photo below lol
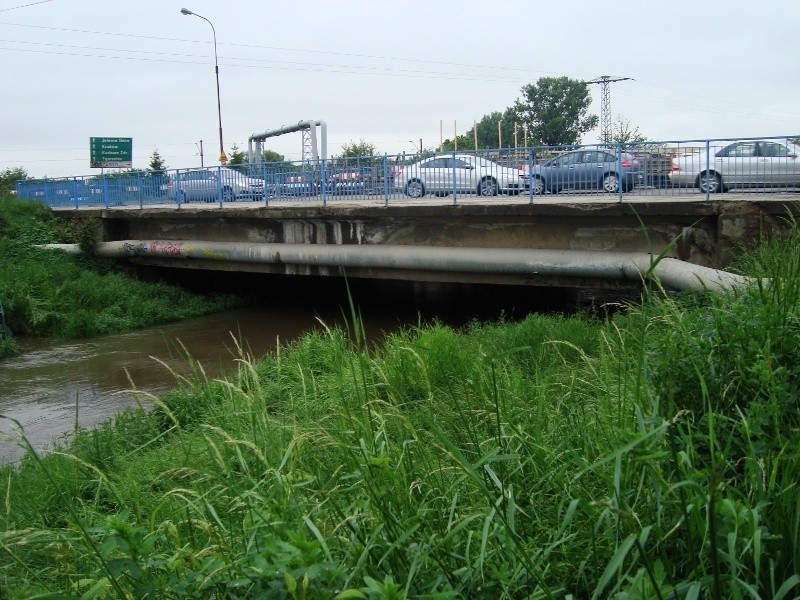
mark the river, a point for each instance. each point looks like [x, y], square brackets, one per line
[55, 386]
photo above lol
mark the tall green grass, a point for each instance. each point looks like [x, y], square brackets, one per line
[651, 455]
[48, 293]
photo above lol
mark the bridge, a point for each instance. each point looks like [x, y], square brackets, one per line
[574, 241]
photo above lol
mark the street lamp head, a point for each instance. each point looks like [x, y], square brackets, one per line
[186, 11]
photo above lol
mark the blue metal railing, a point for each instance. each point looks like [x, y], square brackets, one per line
[693, 168]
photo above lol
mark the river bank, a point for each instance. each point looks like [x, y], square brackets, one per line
[46, 293]
[652, 454]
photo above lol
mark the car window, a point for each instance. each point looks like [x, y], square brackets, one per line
[435, 163]
[199, 175]
[566, 159]
[738, 150]
[773, 149]
[462, 164]
[597, 156]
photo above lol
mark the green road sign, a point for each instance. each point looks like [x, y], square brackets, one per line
[110, 152]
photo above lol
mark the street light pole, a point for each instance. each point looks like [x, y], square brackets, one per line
[223, 158]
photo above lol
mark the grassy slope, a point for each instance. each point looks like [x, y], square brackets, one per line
[49, 293]
[655, 453]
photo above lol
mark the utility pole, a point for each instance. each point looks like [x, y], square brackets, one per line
[605, 104]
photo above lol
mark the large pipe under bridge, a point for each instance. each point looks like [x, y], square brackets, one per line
[626, 266]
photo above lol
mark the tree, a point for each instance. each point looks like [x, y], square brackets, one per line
[622, 132]
[10, 176]
[237, 158]
[488, 134]
[272, 156]
[555, 109]
[358, 149]
[157, 165]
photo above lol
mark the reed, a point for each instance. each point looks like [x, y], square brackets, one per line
[642, 456]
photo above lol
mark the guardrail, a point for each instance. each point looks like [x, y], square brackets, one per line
[684, 167]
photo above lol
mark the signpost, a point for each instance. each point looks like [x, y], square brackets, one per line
[110, 152]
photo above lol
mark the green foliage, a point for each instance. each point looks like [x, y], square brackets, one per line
[89, 236]
[555, 110]
[9, 177]
[559, 457]
[622, 132]
[272, 156]
[46, 292]
[8, 346]
[157, 165]
[357, 149]
[489, 134]
[237, 158]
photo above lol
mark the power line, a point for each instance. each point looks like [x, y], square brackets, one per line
[290, 66]
[392, 59]
[25, 5]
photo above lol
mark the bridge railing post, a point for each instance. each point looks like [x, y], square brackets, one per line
[708, 169]
[106, 192]
[385, 179]
[620, 173]
[531, 162]
[323, 182]
[454, 177]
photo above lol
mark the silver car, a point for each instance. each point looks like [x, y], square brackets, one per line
[748, 163]
[210, 185]
[463, 173]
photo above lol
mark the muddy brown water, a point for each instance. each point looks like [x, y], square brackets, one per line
[56, 386]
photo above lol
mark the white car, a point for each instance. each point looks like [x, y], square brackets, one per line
[463, 173]
[210, 185]
[748, 163]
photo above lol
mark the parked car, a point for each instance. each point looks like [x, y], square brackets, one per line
[463, 173]
[296, 184]
[586, 169]
[748, 163]
[210, 185]
[348, 181]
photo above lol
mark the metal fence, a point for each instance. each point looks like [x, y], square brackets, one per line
[533, 174]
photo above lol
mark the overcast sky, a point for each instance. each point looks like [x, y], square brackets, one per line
[387, 72]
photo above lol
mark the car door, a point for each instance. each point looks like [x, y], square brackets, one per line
[738, 163]
[777, 165]
[200, 185]
[434, 175]
[593, 164]
[463, 173]
[563, 171]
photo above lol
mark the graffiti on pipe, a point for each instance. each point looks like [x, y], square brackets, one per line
[155, 248]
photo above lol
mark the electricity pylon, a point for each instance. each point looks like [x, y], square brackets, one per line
[605, 104]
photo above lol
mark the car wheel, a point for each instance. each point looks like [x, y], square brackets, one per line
[488, 187]
[415, 189]
[611, 183]
[228, 195]
[538, 186]
[710, 183]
